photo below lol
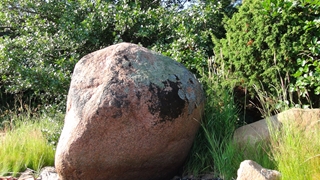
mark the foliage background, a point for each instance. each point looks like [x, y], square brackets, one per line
[269, 46]
[40, 41]
[273, 44]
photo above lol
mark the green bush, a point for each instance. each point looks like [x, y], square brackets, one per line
[191, 42]
[308, 74]
[264, 42]
[40, 42]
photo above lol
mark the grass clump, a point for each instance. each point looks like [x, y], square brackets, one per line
[216, 131]
[296, 151]
[214, 149]
[27, 143]
[292, 150]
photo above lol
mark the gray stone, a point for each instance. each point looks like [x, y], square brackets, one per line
[48, 173]
[307, 119]
[28, 174]
[250, 170]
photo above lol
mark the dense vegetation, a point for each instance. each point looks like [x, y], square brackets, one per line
[42, 40]
[262, 51]
[271, 40]
[257, 44]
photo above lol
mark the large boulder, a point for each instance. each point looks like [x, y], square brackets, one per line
[131, 114]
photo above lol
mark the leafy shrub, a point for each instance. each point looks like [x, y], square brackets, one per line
[41, 42]
[308, 74]
[192, 28]
[264, 42]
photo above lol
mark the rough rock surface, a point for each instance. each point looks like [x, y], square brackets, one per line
[48, 173]
[253, 133]
[258, 131]
[28, 174]
[8, 178]
[131, 114]
[250, 170]
[304, 118]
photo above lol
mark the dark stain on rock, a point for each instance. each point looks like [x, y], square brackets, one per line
[138, 94]
[78, 101]
[116, 103]
[118, 98]
[126, 58]
[166, 101]
[124, 63]
[117, 114]
[177, 78]
[191, 81]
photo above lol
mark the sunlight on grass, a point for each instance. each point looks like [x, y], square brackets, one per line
[210, 152]
[23, 147]
[292, 150]
[233, 155]
[297, 152]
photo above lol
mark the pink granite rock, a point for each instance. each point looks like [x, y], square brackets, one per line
[131, 114]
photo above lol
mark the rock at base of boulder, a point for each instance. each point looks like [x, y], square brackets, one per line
[28, 174]
[250, 170]
[48, 173]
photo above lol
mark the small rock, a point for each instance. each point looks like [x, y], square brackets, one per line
[48, 173]
[253, 133]
[250, 170]
[27, 175]
[207, 177]
[176, 178]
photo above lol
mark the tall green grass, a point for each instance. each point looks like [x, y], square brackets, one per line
[296, 151]
[218, 126]
[216, 130]
[27, 143]
[293, 151]
[213, 149]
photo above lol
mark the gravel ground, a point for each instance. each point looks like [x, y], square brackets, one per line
[199, 177]
[48, 173]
